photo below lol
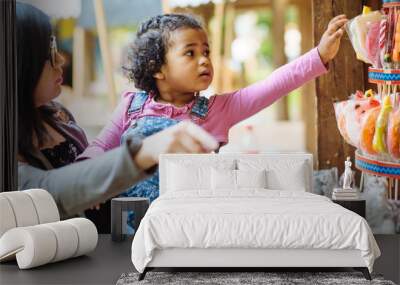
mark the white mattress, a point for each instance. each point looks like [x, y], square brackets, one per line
[252, 219]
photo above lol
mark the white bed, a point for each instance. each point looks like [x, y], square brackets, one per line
[240, 210]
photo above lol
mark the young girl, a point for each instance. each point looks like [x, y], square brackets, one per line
[170, 62]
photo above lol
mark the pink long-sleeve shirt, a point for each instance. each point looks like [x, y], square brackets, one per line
[224, 110]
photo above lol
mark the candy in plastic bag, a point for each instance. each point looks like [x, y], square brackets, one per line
[368, 131]
[350, 115]
[358, 29]
[393, 134]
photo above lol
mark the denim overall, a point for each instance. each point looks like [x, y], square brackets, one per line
[144, 127]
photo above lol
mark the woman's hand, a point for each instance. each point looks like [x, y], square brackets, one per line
[185, 137]
[330, 41]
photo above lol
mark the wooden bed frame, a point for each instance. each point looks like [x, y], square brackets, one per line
[246, 259]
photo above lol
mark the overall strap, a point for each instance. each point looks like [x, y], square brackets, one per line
[137, 102]
[200, 107]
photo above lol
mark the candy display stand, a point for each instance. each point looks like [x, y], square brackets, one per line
[376, 167]
[380, 47]
[384, 76]
[390, 3]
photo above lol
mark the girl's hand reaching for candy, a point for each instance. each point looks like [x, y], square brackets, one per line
[329, 44]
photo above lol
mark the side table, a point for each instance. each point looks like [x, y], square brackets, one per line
[357, 206]
[120, 208]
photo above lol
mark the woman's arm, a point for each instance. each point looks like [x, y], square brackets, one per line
[78, 186]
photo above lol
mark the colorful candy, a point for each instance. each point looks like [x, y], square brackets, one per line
[396, 48]
[372, 43]
[369, 93]
[368, 130]
[393, 136]
[390, 33]
[369, 121]
[382, 33]
[379, 140]
[351, 113]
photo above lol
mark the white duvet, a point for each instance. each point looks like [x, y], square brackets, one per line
[250, 219]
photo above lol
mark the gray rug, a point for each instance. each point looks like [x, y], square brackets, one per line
[243, 278]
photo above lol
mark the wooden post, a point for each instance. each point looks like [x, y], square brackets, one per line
[308, 98]
[82, 61]
[166, 7]
[217, 38]
[278, 30]
[206, 12]
[105, 50]
[227, 80]
[345, 76]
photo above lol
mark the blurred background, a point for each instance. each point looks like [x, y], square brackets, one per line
[249, 39]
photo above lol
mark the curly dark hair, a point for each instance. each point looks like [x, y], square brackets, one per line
[147, 53]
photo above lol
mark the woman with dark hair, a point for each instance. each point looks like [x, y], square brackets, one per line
[49, 140]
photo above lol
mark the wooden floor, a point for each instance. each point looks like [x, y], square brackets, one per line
[389, 262]
[106, 264]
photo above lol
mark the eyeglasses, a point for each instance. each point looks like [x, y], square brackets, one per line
[53, 51]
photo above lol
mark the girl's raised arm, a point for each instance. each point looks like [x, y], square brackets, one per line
[247, 101]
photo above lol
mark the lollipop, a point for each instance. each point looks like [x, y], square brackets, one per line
[382, 40]
[382, 33]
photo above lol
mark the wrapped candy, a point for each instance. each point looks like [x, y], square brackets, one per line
[379, 140]
[372, 44]
[368, 131]
[389, 42]
[396, 48]
[366, 123]
[341, 121]
[393, 135]
[363, 32]
[350, 115]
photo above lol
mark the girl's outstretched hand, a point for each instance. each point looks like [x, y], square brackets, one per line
[330, 41]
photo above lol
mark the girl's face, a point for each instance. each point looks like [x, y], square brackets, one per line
[188, 67]
[49, 84]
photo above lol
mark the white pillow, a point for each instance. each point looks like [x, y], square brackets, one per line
[295, 180]
[251, 178]
[193, 174]
[223, 179]
[282, 174]
[187, 177]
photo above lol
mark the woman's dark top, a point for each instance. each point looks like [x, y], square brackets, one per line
[78, 186]
[62, 154]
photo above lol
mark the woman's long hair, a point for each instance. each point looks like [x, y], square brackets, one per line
[33, 49]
